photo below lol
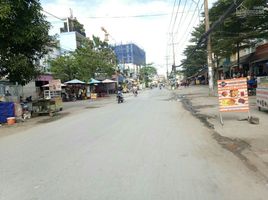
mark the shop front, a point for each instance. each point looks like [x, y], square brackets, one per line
[259, 62]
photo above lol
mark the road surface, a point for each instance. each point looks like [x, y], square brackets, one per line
[148, 148]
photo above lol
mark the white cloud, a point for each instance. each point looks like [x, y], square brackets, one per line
[150, 33]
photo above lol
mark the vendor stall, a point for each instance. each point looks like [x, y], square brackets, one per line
[52, 101]
[75, 90]
[262, 92]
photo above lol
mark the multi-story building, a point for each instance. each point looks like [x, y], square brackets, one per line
[68, 34]
[130, 58]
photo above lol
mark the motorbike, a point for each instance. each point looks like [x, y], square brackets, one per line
[120, 98]
[26, 113]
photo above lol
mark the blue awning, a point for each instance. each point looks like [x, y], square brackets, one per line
[94, 81]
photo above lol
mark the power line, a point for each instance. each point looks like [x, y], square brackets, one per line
[204, 37]
[62, 19]
[175, 17]
[129, 16]
[182, 15]
[187, 29]
[172, 14]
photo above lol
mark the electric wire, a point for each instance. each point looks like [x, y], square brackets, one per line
[183, 11]
[178, 7]
[204, 37]
[173, 8]
[128, 16]
[187, 29]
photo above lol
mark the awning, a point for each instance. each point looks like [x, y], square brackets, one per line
[246, 59]
[75, 81]
[260, 60]
[94, 81]
[108, 81]
[47, 85]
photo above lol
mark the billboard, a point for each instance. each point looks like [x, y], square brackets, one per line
[233, 95]
[55, 85]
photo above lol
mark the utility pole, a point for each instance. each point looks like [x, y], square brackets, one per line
[167, 65]
[173, 54]
[209, 52]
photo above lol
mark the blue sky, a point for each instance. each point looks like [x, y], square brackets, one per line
[150, 33]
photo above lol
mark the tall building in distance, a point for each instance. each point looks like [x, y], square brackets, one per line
[130, 58]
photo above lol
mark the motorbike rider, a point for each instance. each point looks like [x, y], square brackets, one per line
[120, 97]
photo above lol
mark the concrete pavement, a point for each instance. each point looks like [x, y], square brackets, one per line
[148, 148]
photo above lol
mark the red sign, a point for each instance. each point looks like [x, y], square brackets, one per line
[44, 78]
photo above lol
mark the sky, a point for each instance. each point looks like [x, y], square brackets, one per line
[147, 23]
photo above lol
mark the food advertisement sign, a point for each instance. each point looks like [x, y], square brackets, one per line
[55, 85]
[233, 95]
[262, 92]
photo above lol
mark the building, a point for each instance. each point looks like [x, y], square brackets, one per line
[68, 34]
[130, 58]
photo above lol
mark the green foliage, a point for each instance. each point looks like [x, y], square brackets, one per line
[93, 58]
[147, 73]
[65, 67]
[197, 60]
[234, 31]
[245, 31]
[23, 39]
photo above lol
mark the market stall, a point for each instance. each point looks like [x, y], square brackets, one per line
[75, 90]
[52, 101]
[109, 86]
[94, 88]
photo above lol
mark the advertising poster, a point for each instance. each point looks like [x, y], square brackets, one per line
[55, 85]
[233, 95]
[262, 92]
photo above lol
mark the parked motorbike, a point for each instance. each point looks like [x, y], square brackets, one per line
[26, 113]
[120, 98]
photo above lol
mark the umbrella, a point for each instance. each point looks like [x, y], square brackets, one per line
[94, 81]
[108, 81]
[75, 81]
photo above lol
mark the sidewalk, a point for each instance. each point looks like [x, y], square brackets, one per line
[247, 141]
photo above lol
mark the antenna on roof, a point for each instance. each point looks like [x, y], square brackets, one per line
[71, 14]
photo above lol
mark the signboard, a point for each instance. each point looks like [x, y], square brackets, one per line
[233, 95]
[93, 95]
[44, 78]
[262, 92]
[55, 85]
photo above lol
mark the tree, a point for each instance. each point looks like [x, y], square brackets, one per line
[233, 34]
[147, 73]
[24, 39]
[94, 57]
[238, 32]
[195, 59]
[65, 68]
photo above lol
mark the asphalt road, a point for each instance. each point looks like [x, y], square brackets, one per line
[148, 148]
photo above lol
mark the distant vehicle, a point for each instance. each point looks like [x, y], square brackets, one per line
[120, 97]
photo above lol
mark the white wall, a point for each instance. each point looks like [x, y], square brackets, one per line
[68, 41]
[30, 90]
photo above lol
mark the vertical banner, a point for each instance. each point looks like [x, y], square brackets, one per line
[262, 92]
[233, 95]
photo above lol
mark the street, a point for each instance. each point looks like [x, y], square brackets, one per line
[148, 148]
